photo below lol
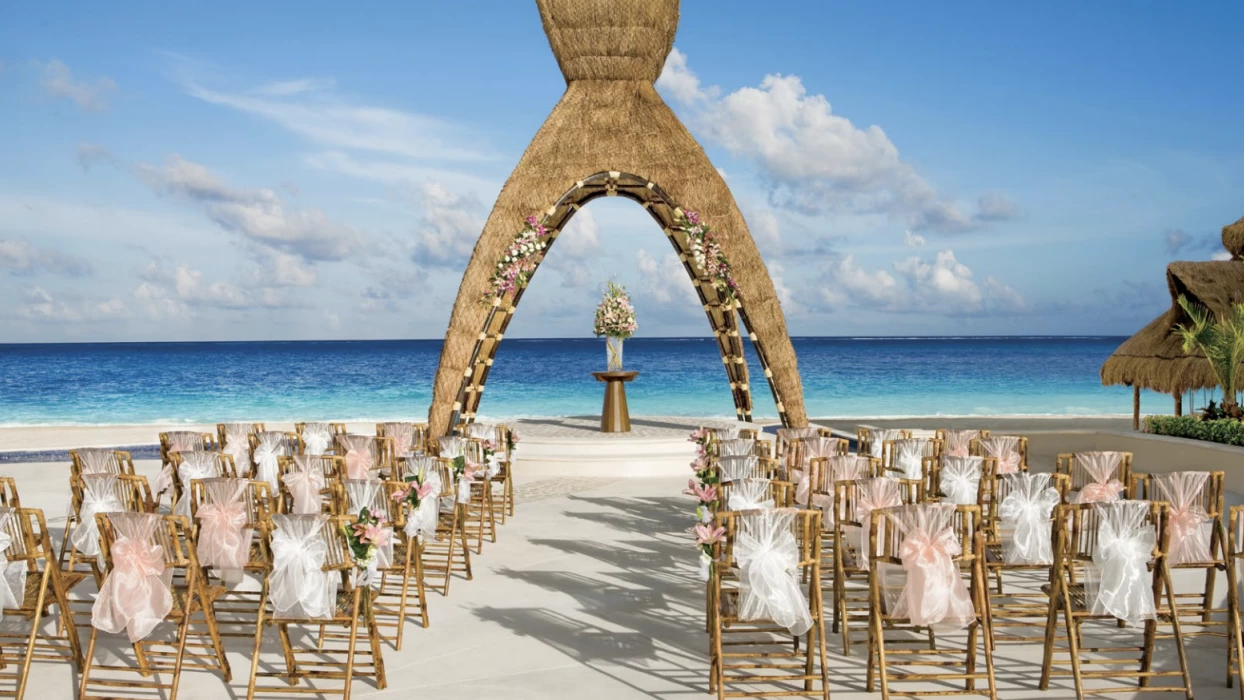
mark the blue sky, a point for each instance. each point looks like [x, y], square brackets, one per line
[291, 171]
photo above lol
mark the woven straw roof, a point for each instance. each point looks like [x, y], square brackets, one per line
[1233, 238]
[1154, 357]
[611, 119]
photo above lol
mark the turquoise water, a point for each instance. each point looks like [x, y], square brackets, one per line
[120, 383]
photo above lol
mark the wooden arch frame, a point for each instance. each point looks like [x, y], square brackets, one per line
[721, 312]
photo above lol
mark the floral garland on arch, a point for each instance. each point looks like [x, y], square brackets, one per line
[707, 253]
[703, 487]
[519, 261]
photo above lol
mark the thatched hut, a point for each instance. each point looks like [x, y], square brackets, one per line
[612, 135]
[1154, 358]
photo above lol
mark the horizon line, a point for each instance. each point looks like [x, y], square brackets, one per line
[574, 338]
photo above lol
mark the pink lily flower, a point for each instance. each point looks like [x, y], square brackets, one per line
[708, 534]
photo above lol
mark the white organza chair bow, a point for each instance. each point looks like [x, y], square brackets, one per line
[317, 437]
[1025, 525]
[12, 573]
[960, 479]
[101, 493]
[908, 457]
[269, 447]
[768, 558]
[305, 482]
[97, 460]
[224, 540]
[406, 436]
[813, 451]
[193, 465]
[750, 494]
[1118, 582]
[421, 523]
[785, 436]
[1098, 476]
[836, 468]
[236, 442]
[299, 585]
[878, 439]
[176, 441]
[743, 467]
[481, 431]
[736, 448]
[1006, 449]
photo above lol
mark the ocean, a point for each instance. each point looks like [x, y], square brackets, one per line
[138, 383]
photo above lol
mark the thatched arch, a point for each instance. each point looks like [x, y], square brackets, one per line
[611, 122]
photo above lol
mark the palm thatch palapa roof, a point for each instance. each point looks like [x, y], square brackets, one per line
[1154, 358]
[612, 135]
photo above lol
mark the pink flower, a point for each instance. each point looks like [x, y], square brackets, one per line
[702, 493]
[698, 465]
[423, 491]
[698, 434]
[707, 534]
[372, 533]
[532, 220]
[693, 217]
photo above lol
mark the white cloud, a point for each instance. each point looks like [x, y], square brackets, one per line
[913, 240]
[258, 214]
[939, 285]
[285, 270]
[1220, 256]
[815, 160]
[450, 225]
[580, 238]
[766, 230]
[20, 257]
[177, 291]
[58, 81]
[42, 307]
[310, 108]
[665, 281]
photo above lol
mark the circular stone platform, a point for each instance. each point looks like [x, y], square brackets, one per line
[574, 446]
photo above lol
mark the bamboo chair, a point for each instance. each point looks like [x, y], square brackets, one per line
[958, 443]
[401, 594]
[321, 469]
[780, 493]
[178, 441]
[998, 447]
[785, 436]
[96, 493]
[234, 440]
[904, 458]
[759, 651]
[1076, 542]
[8, 493]
[1235, 553]
[751, 467]
[33, 583]
[935, 467]
[166, 537]
[854, 501]
[188, 466]
[365, 456]
[1197, 610]
[237, 610]
[871, 441]
[345, 605]
[1017, 608]
[890, 529]
[407, 437]
[93, 460]
[826, 473]
[449, 553]
[481, 518]
[1074, 466]
[266, 450]
[319, 438]
[503, 480]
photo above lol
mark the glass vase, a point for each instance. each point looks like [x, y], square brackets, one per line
[613, 353]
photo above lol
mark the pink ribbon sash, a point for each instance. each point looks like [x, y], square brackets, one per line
[222, 542]
[1100, 492]
[359, 464]
[305, 488]
[935, 592]
[134, 597]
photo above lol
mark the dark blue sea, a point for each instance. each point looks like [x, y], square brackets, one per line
[123, 383]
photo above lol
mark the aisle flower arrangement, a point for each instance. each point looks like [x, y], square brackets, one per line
[703, 486]
[707, 253]
[519, 261]
[365, 536]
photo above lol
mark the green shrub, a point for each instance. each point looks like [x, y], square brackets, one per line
[1227, 431]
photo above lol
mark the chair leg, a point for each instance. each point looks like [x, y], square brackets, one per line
[419, 584]
[1179, 637]
[259, 623]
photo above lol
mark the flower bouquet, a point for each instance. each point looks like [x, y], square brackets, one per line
[615, 320]
[707, 535]
[366, 537]
[421, 494]
[512, 439]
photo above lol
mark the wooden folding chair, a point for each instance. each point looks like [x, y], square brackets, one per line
[1001, 448]
[958, 443]
[750, 650]
[894, 619]
[1078, 536]
[854, 501]
[267, 448]
[1194, 500]
[935, 467]
[401, 594]
[904, 458]
[324, 469]
[32, 583]
[481, 518]
[785, 438]
[8, 493]
[178, 441]
[98, 493]
[318, 596]
[449, 553]
[236, 609]
[1026, 605]
[197, 464]
[503, 481]
[365, 456]
[1078, 467]
[234, 440]
[167, 538]
[870, 441]
[407, 437]
[93, 460]
[1235, 554]
[319, 438]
